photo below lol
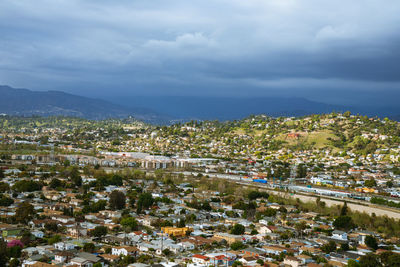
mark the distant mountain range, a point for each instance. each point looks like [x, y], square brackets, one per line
[167, 109]
[228, 108]
[231, 108]
[24, 102]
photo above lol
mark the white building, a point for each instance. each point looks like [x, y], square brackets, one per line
[339, 235]
[64, 246]
[124, 250]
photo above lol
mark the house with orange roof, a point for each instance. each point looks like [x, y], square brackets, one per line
[201, 259]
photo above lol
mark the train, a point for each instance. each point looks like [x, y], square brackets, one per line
[262, 181]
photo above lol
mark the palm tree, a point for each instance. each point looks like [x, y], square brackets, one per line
[300, 227]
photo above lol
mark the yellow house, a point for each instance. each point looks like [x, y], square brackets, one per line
[229, 238]
[174, 231]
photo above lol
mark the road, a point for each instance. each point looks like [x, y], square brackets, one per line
[356, 205]
[364, 207]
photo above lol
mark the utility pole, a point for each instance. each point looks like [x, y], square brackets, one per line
[162, 241]
[77, 230]
[52, 158]
[293, 173]
[125, 235]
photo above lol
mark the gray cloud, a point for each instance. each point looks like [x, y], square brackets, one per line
[223, 47]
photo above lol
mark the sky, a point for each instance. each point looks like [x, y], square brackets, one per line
[333, 51]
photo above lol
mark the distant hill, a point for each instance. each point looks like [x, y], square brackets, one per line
[24, 102]
[234, 108]
[167, 109]
[229, 108]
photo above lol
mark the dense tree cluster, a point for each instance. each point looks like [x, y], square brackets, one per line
[144, 202]
[238, 229]
[253, 195]
[117, 200]
[27, 186]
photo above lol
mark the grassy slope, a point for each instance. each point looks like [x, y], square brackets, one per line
[319, 139]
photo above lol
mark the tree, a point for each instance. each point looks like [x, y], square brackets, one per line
[51, 226]
[116, 180]
[352, 263]
[394, 260]
[129, 222]
[270, 212]
[14, 251]
[45, 259]
[318, 201]
[117, 200]
[14, 243]
[26, 238]
[237, 245]
[145, 201]
[126, 260]
[301, 171]
[389, 258]
[95, 207]
[24, 213]
[238, 229]
[54, 239]
[329, 247]
[344, 246]
[3, 252]
[300, 227]
[27, 186]
[370, 183]
[206, 206]
[89, 247]
[167, 252]
[237, 263]
[343, 210]
[14, 263]
[347, 114]
[254, 232]
[371, 242]
[4, 187]
[55, 183]
[6, 201]
[344, 223]
[260, 262]
[132, 201]
[181, 223]
[99, 231]
[253, 195]
[370, 260]
[2, 174]
[75, 177]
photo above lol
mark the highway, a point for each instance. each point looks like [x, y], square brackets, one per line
[353, 204]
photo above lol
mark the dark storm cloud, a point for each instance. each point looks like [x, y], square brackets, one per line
[197, 47]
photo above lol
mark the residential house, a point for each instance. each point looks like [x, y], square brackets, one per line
[84, 259]
[63, 257]
[276, 250]
[125, 250]
[201, 259]
[64, 246]
[229, 238]
[252, 252]
[305, 259]
[37, 234]
[36, 264]
[339, 235]
[77, 232]
[292, 261]
[174, 231]
[186, 245]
